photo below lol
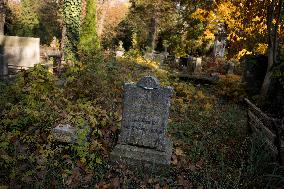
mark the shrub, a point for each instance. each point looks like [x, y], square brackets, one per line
[230, 87]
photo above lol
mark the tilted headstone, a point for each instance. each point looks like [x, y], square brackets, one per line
[69, 134]
[145, 117]
[64, 133]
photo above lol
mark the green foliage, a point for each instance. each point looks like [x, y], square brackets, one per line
[30, 107]
[230, 87]
[30, 96]
[219, 152]
[25, 21]
[132, 53]
[89, 43]
[211, 146]
[37, 18]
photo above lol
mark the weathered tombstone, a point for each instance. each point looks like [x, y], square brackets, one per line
[231, 67]
[145, 116]
[170, 60]
[18, 52]
[120, 51]
[64, 133]
[197, 66]
[67, 133]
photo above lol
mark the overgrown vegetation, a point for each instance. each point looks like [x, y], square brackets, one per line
[212, 147]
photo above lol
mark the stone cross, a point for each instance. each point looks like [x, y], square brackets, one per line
[144, 122]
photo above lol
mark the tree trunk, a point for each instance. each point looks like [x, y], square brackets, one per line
[153, 33]
[2, 17]
[63, 38]
[101, 18]
[274, 12]
[2, 23]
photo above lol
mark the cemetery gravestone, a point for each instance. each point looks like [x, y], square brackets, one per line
[120, 51]
[67, 133]
[64, 133]
[18, 52]
[144, 122]
[231, 68]
[197, 65]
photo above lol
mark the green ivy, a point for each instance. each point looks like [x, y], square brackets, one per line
[72, 17]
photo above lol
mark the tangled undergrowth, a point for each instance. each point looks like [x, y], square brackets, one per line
[212, 147]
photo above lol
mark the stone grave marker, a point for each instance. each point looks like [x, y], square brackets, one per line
[197, 65]
[144, 122]
[120, 51]
[231, 68]
[64, 133]
[18, 52]
[67, 133]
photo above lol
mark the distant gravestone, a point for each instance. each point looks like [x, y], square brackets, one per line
[120, 51]
[197, 65]
[231, 67]
[67, 133]
[144, 122]
[18, 52]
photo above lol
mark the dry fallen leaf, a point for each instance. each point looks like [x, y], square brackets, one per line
[179, 152]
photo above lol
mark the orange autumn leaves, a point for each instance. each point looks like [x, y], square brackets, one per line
[246, 25]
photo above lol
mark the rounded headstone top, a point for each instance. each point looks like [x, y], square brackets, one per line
[149, 82]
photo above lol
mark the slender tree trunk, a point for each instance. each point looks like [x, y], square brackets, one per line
[63, 39]
[2, 17]
[100, 27]
[2, 23]
[83, 9]
[274, 12]
[153, 33]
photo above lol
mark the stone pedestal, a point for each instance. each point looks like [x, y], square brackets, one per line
[133, 154]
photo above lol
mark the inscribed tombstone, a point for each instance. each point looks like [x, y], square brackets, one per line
[144, 122]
